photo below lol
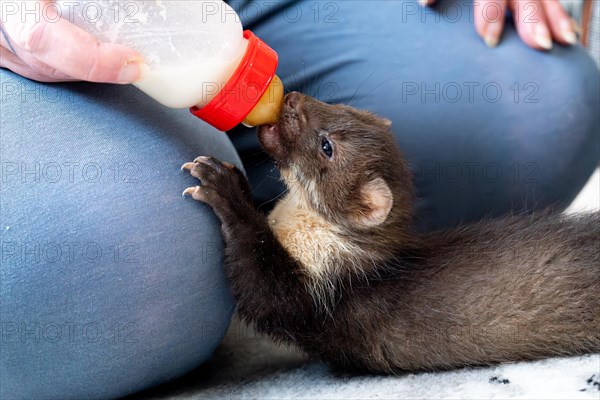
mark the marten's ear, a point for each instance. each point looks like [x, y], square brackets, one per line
[376, 201]
[386, 122]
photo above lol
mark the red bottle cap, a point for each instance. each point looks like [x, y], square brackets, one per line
[244, 89]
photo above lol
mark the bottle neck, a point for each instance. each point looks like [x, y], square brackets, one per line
[244, 90]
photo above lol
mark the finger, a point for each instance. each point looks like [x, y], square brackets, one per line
[4, 41]
[425, 3]
[28, 65]
[531, 24]
[63, 46]
[489, 20]
[15, 64]
[559, 22]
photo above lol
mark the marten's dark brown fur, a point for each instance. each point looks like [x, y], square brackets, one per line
[336, 270]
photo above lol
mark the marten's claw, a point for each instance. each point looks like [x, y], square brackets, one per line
[189, 191]
[187, 166]
[213, 162]
[200, 193]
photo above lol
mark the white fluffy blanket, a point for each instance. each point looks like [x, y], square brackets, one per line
[249, 367]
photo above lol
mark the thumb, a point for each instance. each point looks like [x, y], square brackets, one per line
[70, 50]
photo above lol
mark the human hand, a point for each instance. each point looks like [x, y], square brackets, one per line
[44, 47]
[538, 22]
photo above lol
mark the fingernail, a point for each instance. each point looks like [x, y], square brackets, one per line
[567, 32]
[490, 40]
[131, 72]
[570, 37]
[575, 27]
[542, 37]
[424, 2]
[492, 34]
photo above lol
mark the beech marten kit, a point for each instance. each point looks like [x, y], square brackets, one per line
[337, 271]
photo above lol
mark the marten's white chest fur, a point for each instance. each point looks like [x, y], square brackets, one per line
[310, 239]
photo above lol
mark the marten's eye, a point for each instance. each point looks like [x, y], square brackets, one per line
[326, 147]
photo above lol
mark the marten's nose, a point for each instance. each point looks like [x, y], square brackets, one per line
[292, 100]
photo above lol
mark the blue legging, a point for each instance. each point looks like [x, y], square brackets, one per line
[110, 282]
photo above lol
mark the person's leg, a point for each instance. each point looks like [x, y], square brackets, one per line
[110, 281]
[487, 131]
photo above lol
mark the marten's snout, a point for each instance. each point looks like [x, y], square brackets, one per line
[292, 118]
[278, 139]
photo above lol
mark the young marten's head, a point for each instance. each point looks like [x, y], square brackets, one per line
[343, 163]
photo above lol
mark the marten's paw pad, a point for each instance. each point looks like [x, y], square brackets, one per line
[219, 180]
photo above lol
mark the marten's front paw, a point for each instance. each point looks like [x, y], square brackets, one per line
[223, 186]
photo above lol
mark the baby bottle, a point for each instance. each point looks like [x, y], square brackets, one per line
[197, 53]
